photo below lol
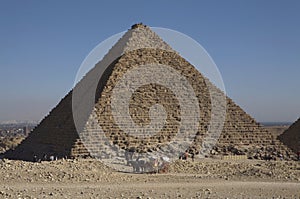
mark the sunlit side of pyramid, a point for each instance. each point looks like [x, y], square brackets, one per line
[57, 135]
[291, 137]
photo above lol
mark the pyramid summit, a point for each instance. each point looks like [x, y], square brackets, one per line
[138, 25]
[83, 123]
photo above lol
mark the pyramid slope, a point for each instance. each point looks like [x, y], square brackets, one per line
[291, 137]
[240, 129]
[57, 135]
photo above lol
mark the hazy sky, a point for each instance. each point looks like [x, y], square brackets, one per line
[255, 44]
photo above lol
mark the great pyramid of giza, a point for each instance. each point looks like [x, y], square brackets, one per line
[291, 136]
[62, 133]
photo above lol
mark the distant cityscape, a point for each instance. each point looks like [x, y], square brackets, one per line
[15, 128]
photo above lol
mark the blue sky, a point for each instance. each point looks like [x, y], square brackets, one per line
[255, 44]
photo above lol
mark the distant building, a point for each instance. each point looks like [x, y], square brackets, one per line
[26, 130]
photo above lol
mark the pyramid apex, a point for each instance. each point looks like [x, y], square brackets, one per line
[138, 25]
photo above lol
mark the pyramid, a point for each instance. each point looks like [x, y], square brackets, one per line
[291, 136]
[64, 133]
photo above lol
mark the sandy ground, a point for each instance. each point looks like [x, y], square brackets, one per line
[160, 188]
[185, 179]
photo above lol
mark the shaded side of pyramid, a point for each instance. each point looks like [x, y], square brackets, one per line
[291, 137]
[57, 135]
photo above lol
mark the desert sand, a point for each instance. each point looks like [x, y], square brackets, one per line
[204, 178]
